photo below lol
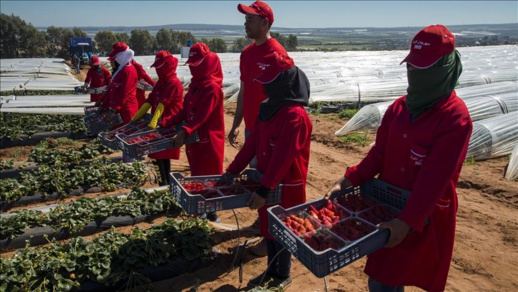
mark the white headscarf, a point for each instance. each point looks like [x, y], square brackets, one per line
[123, 58]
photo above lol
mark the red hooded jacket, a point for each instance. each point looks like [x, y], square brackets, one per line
[121, 93]
[168, 91]
[203, 111]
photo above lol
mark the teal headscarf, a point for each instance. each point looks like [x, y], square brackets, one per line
[427, 86]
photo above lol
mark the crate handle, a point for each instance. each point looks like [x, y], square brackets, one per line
[394, 190]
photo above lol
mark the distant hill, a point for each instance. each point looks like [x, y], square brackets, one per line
[215, 30]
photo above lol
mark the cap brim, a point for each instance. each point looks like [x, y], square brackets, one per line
[156, 65]
[246, 9]
[420, 61]
[97, 63]
[195, 63]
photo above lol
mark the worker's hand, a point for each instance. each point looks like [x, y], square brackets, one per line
[178, 139]
[226, 179]
[255, 201]
[232, 137]
[339, 185]
[110, 114]
[398, 231]
[85, 89]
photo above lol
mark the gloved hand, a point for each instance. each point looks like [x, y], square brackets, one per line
[226, 179]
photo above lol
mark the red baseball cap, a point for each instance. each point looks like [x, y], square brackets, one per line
[257, 8]
[272, 66]
[429, 45]
[95, 61]
[160, 58]
[117, 48]
[197, 53]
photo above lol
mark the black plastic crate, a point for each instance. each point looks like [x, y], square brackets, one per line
[97, 90]
[322, 263]
[91, 110]
[135, 146]
[144, 86]
[195, 203]
[95, 123]
[109, 139]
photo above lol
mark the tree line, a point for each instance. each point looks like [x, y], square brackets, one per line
[20, 39]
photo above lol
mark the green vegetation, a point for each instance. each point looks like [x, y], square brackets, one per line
[347, 114]
[74, 217]
[357, 138]
[13, 125]
[110, 259]
[469, 161]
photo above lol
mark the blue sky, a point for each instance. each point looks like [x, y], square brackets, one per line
[292, 14]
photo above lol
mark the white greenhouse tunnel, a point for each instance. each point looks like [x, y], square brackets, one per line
[493, 137]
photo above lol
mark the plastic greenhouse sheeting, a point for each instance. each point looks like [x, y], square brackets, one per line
[483, 101]
[367, 75]
[512, 168]
[493, 137]
[46, 110]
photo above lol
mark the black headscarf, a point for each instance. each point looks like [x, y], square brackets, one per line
[290, 87]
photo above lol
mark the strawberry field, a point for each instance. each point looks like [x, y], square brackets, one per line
[74, 217]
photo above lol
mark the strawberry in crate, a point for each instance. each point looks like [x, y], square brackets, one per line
[352, 229]
[378, 214]
[300, 225]
[150, 136]
[355, 203]
[322, 240]
[329, 214]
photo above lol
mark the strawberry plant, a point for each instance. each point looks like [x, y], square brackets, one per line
[111, 259]
[75, 216]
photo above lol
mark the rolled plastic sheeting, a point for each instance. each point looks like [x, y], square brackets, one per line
[511, 172]
[46, 110]
[55, 103]
[493, 137]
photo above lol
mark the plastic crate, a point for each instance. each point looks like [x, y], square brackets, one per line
[322, 263]
[109, 139]
[134, 146]
[195, 203]
[97, 90]
[144, 86]
[91, 110]
[95, 124]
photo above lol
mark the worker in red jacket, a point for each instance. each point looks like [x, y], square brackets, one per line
[203, 111]
[121, 95]
[143, 77]
[281, 142]
[97, 77]
[165, 101]
[420, 146]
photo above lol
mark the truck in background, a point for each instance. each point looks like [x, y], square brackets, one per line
[82, 47]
